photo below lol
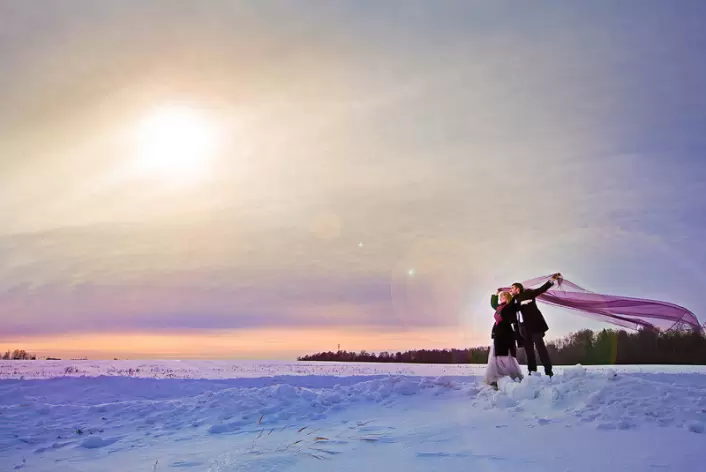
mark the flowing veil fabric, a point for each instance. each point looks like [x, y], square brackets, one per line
[632, 313]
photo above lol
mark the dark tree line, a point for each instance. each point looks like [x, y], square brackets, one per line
[584, 347]
[19, 355]
[424, 356]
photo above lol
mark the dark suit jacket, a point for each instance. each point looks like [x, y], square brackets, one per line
[532, 319]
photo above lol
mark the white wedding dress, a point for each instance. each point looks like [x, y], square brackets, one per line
[501, 366]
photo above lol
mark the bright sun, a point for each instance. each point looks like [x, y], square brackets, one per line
[175, 142]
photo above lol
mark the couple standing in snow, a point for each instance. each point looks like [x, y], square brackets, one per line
[510, 331]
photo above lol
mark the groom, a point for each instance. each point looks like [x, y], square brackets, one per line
[532, 323]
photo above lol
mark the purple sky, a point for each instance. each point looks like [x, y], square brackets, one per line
[387, 164]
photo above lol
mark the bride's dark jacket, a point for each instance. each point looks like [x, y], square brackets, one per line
[506, 332]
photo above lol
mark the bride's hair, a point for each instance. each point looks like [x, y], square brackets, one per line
[505, 297]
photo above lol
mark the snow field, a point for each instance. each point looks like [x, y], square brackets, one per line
[219, 416]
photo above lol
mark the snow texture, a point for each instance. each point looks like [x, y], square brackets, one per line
[218, 416]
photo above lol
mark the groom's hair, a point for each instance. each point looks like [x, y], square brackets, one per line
[519, 286]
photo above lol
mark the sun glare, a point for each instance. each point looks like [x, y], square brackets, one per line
[176, 142]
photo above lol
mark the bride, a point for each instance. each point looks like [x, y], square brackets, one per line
[502, 358]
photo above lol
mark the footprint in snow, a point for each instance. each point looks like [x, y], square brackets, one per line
[370, 429]
[185, 464]
[95, 442]
[426, 455]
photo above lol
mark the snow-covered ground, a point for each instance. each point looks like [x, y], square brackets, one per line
[273, 416]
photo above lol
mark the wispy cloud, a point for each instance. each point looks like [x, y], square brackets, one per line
[386, 166]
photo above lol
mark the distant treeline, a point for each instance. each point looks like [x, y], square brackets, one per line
[584, 347]
[19, 355]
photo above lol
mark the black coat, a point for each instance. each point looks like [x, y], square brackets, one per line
[532, 319]
[505, 333]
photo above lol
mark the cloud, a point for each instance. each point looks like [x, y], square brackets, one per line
[179, 309]
[125, 279]
[467, 142]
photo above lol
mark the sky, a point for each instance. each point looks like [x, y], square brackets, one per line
[370, 173]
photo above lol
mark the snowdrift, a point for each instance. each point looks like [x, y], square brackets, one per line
[216, 416]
